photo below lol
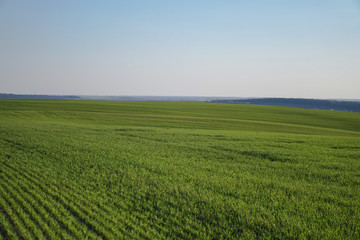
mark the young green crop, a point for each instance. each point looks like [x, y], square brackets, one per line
[168, 170]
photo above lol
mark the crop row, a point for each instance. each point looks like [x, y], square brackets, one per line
[37, 207]
[34, 206]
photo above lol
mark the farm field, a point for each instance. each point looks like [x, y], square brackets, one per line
[177, 170]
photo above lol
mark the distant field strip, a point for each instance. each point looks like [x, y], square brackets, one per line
[299, 127]
[150, 170]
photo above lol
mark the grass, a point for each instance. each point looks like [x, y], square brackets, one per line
[169, 170]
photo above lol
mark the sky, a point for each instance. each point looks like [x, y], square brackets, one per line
[238, 48]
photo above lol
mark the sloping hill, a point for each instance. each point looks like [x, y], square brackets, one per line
[170, 170]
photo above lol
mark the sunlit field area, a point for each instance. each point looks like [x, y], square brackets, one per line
[177, 170]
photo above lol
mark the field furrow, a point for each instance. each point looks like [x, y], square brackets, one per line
[86, 205]
[112, 217]
[72, 204]
[44, 219]
[41, 230]
[8, 230]
[15, 215]
[60, 213]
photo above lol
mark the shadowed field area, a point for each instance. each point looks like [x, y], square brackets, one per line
[171, 170]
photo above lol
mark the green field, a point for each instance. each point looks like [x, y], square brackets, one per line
[172, 170]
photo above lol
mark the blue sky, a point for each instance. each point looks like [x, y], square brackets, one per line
[308, 48]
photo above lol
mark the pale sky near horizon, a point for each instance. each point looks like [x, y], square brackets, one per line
[253, 48]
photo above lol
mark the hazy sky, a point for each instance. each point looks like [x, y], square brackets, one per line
[244, 48]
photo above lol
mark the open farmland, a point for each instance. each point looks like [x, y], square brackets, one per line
[170, 170]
